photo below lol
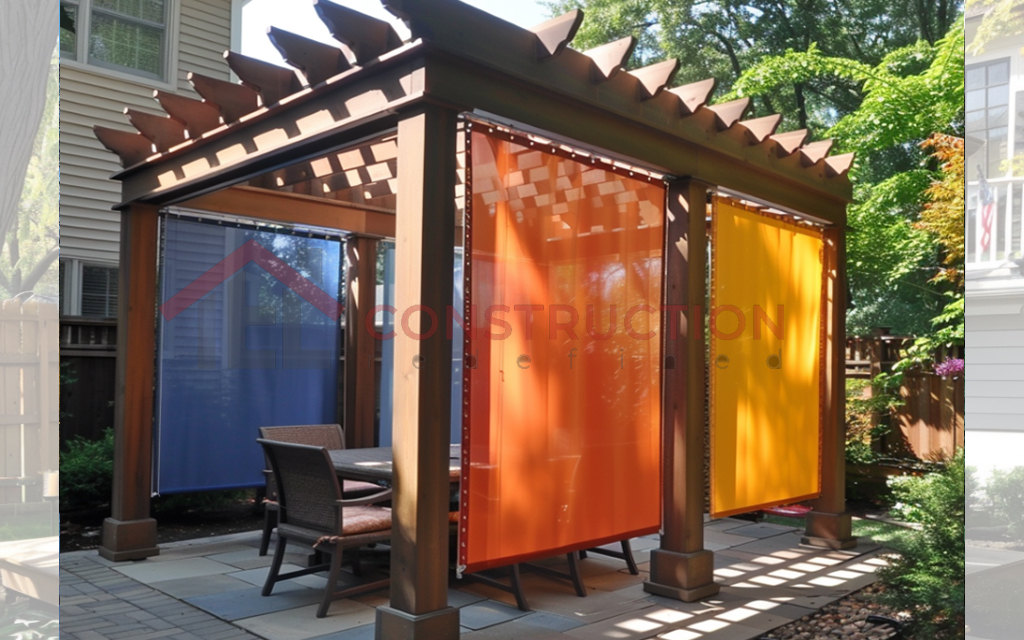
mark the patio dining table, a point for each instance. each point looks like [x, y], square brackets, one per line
[376, 464]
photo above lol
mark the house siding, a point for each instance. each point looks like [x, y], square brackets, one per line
[90, 229]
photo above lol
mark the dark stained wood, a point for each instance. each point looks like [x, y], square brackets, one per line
[163, 131]
[759, 129]
[789, 141]
[360, 345]
[198, 116]
[555, 35]
[653, 78]
[425, 244]
[813, 152]
[233, 100]
[694, 95]
[293, 208]
[269, 80]
[839, 165]
[315, 60]
[683, 391]
[133, 402]
[609, 59]
[366, 37]
[131, 148]
[728, 113]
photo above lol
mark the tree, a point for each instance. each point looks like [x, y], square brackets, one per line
[1000, 18]
[25, 53]
[725, 38]
[914, 92]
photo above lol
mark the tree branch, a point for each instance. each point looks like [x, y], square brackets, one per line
[38, 271]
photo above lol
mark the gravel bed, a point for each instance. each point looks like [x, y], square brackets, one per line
[845, 619]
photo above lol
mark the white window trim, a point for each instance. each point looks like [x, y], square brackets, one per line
[171, 44]
[72, 283]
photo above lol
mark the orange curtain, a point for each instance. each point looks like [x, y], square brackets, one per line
[766, 334]
[561, 432]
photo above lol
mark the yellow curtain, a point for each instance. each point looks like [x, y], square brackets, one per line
[765, 362]
[561, 425]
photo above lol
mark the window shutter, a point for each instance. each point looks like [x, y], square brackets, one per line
[99, 291]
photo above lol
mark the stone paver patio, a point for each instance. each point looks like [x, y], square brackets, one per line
[210, 589]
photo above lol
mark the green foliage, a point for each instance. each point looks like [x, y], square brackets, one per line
[868, 415]
[199, 502]
[927, 577]
[1002, 18]
[1005, 489]
[24, 619]
[912, 93]
[86, 472]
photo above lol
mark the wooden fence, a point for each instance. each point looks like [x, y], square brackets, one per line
[29, 390]
[931, 421]
[88, 354]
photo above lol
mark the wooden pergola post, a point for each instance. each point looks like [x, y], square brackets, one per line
[360, 347]
[682, 568]
[425, 248]
[130, 533]
[828, 525]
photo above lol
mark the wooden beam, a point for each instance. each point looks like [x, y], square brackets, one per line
[290, 208]
[131, 148]
[317, 61]
[812, 153]
[789, 141]
[555, 35]
[728, 113]
[759, 129]
[653, 78]
[609, 59]
[366, 37]
[129, 533]
[839, 165]
[198, 116]
[271, 81]
[681, 568]
[695, 95]
[163, 131]
[360, 345]
[233, 100]
[828, 524]
[425, 246]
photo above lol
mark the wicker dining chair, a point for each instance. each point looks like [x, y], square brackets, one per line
[311, 510]
[329, 436]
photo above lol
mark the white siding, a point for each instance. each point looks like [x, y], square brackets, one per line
[995, 375]
[89, 228]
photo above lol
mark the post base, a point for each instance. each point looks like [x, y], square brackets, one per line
[393, 624]
[683, 576]
[129, 539]
[829, 530]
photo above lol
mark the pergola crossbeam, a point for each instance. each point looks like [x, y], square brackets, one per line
[271, 81]
[555, 35]
[234, 100]
[130, 147]
[198, 116]
[655, 77]
[693, 96]
[366, 37]
[163, 131]
[315, 60]
[609, 59]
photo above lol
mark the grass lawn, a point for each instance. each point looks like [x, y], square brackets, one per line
[892, 536]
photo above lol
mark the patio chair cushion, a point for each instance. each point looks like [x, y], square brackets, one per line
[358, 489]
[358, 520]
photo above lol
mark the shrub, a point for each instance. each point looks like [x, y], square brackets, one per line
[927, 578]
[971, 488]
[1005, 491]
[867, 418]
[86, 472]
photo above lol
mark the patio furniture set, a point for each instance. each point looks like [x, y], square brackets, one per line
[329, 497]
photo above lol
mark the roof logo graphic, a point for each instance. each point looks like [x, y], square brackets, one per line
[252, 251]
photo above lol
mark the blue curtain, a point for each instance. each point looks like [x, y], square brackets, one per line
[250, 353]
[388, 352]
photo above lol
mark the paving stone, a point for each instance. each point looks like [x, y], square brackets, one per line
[487, 613]
[247, 603]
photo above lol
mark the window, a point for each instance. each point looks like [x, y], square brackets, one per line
[88, 289]
[987, 114]
[123, 35]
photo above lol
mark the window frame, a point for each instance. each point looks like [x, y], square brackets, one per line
[72, 282]
[83, 25]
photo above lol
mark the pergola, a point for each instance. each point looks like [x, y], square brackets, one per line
[363, 138]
